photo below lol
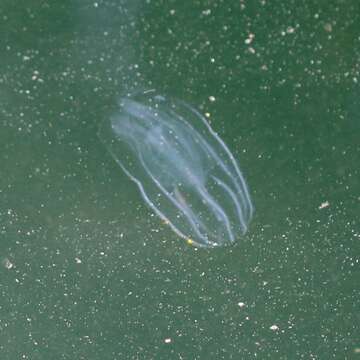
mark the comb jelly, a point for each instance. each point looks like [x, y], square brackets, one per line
[182, 168]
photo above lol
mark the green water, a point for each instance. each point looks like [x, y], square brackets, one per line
[88, 272]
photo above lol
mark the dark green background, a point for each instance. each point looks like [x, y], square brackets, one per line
[88, 272]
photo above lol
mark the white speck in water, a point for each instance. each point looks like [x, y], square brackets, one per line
[249, 39]
[324, 204]
[7, 264]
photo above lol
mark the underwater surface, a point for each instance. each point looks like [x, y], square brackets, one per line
[89, 270]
